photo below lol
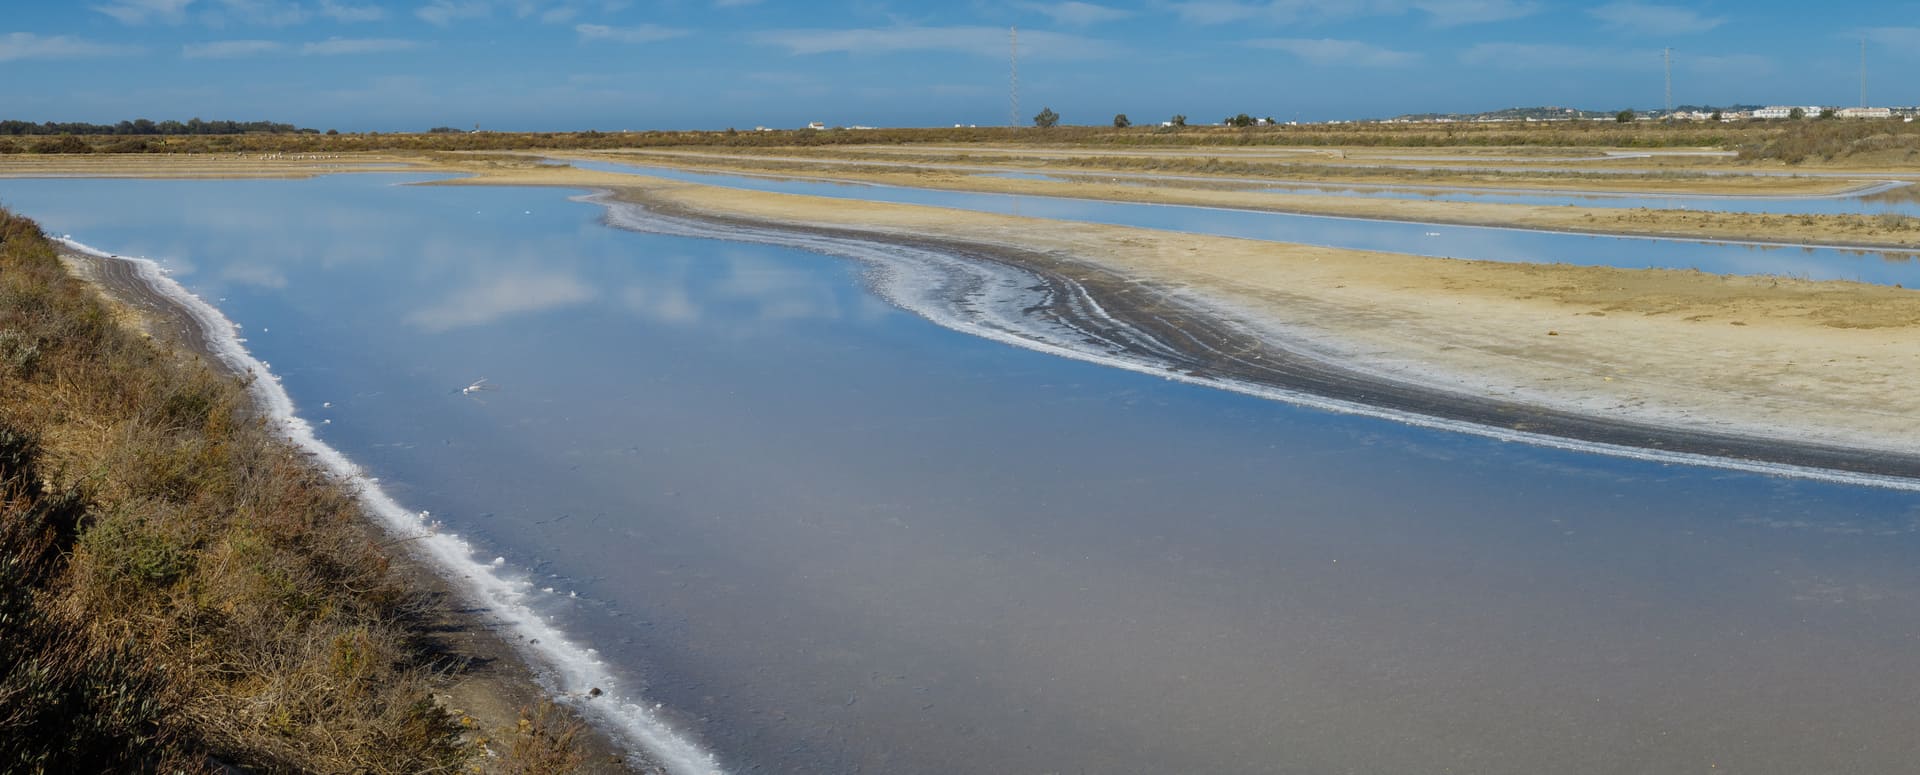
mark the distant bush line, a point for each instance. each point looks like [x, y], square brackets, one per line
[148, 127]
[1791, 141]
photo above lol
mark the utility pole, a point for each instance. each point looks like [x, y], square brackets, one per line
[1863, 72]
[1013, 77]
[1669, 55]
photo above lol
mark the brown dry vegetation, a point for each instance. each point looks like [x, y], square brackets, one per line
[1757, 139]
[1893, 142]
[180, 589]
[1199, 164]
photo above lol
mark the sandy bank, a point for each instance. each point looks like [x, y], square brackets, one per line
[1733, 365]
[1685, 176]
[1864, 232]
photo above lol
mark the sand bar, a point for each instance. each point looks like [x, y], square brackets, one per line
[1806, 372]
[1856, 231]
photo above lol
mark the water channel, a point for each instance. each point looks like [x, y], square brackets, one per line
[1899, 198]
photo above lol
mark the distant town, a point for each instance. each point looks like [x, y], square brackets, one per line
[1682, 113]
[1544, 114]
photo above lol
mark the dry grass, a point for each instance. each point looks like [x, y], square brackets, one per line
[1831, 140]
[1555, 135]
[177, 585]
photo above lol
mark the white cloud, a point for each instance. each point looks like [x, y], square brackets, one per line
[230, 49]
[1645, 19]
[1350, 53]
[143, 11]
[265, 13]
[445, 12]
[1902, 39]
[1283, 11]
[1749, 65]
[26, 45]
[346, 46]
[351, 13]
[1533, 56]
[502, 297]
[645, 33]
[1077, 14]
[1454, 13]
[1214, 12]
[1442, 13]
[981, 41]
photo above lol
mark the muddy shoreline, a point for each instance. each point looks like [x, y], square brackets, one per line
[1211, 344]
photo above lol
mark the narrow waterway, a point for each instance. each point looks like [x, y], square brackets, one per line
[1897, 198]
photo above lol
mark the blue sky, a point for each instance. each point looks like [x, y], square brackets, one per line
[406, 65]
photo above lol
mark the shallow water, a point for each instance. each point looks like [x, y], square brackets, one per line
[830, 536]
[1895, 198]
[1494, 244]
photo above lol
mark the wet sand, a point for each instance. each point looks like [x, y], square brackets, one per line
[1755, 368]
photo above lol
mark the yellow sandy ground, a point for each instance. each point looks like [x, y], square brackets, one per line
[1852, 230]
[1832, 362]
[1569, 170]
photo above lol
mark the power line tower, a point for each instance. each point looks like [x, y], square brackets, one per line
[1669, 56]
[1013, 77]
[1863, 72]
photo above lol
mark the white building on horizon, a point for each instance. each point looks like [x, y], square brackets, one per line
[1786, 111]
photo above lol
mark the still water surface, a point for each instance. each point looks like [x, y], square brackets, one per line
[1893, 197]
[1479, 242]
[832, 537]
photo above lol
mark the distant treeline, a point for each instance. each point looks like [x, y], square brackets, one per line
[141, 126]
[1590, 133]
[1791, 141]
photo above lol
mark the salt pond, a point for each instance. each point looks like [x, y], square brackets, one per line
[827, 535]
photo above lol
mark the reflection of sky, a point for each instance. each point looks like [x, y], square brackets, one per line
[834, 537]
[1904, 200]
[1900, 200]
[1388, 236]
